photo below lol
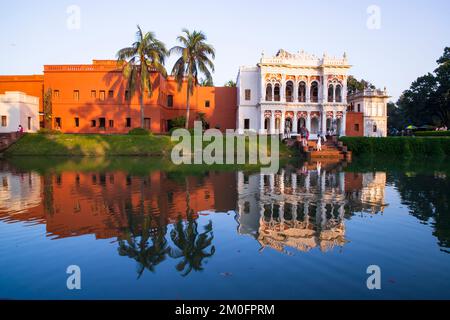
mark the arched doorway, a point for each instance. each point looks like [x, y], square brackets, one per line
[314, 125]
[329, 125]
[288, 124]
[267, 124]
[338, 126]
[277, 124]
[301, 122]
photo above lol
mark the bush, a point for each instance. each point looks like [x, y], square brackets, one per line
[432, 133]
[48, 131]
[139, 132]
[398, 146]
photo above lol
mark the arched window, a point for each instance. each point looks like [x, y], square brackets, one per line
[338, 93]
[374, 128]
[330, 93]
[302, 92]
[289, 91]
[269, 92]
[276, 92]
[314, 92]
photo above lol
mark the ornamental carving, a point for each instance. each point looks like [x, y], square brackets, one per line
[267, 114]
[290, 114]
[278, 114]
[329, 114]
[339, 115]
[273, 77]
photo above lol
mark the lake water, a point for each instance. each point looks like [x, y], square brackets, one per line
[139, 229]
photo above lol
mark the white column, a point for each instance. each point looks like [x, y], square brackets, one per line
[308, 92]
[324, 122]
[343, 123]
[308, 121]
[263, 118]
[344, 91]
[294, 124]
[282, 125]
[324, 89]
[283, 89]
[272, 123]
[295, 92]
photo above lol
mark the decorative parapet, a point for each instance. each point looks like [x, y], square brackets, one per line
[369, 93]
[97, 65]
[304, 59]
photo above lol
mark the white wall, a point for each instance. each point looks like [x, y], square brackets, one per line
[17, 107]
[248, 79]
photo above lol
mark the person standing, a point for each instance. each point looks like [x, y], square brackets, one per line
[319, 142]
[20, 129]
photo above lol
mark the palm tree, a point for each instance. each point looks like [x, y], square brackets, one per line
[195, 58]
[206, 83]
[230, 84]
[145, 55]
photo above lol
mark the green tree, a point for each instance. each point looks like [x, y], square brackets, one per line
[354, 85]
[231, 84]
[427, 101]
[443, 90]
[145, 55]
[418, 103]
[395, 118]
[195, 57]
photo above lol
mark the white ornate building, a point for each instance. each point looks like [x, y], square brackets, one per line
[293, 90]
[373, 104]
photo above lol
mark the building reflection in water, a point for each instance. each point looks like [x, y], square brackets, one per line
[154, 217]
[305, 208]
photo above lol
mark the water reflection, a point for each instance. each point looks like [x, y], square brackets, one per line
[305, 208]
[154, 217]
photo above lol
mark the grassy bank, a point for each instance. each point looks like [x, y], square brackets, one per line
[90, 145]
[399, 146]
[101, 146]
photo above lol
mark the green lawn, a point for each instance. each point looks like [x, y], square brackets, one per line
[90, 145]
[101, 146]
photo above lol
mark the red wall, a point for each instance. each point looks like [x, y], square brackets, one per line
[354, 119]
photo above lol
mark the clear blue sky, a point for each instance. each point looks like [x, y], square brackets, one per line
[412, 36]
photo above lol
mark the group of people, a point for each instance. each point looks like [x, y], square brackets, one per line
[304, 137]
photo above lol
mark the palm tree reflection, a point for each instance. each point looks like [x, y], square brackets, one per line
[191, 245]
[147, 245]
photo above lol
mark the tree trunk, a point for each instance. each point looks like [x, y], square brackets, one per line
[187, 107]
[141, 101]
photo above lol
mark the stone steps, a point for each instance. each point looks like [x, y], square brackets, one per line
[8, 139]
